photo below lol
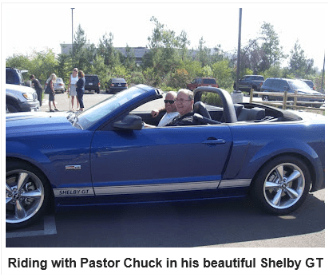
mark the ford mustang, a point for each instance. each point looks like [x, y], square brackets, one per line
[105, 155]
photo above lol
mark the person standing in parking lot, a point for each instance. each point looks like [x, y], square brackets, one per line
[80, 89]
[51, 90]
[38, 88]
[72, 88]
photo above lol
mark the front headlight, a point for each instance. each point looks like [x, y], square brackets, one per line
[28, 96]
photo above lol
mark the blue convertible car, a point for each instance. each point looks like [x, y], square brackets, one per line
[105, 155]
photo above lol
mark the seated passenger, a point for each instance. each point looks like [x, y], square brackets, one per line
[171, 109]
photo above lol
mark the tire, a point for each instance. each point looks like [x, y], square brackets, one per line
[27, 194]
[282, 185]
[11, 108]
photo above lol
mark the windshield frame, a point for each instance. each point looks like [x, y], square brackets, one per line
[115, 105]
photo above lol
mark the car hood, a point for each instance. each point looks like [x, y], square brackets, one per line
[27, 123]
[19, 88]
[308, 92]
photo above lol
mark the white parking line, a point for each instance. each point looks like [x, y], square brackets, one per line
[49, 229]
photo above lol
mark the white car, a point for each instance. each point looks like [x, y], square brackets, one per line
[21, 99]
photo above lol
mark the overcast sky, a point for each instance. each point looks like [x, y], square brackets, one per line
[40, 26]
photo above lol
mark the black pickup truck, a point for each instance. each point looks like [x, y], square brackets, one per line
[248, 82]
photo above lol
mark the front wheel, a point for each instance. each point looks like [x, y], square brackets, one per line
[282, 185]
[11, 108]
[27, 193]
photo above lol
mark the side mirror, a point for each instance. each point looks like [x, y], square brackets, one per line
[129, 122]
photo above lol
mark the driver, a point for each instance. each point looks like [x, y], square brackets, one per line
[185, 104]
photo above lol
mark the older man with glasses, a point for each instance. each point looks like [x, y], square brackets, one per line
[185, 106]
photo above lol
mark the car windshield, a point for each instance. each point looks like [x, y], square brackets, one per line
[106, 107]
[91, 78]
[118, 80]
[298, 85]
[209, 81]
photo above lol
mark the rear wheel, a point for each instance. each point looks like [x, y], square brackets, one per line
[27, 194]
[282, 185]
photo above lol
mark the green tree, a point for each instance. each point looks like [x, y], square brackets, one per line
[43, 64]
[163, 56]
[99, 68]
[223, 73]
[129, 60]
[270, 45]
[299, 65]
[203, 53]
[21, 62]
[84, 53]
[64, 67]
[107, 51]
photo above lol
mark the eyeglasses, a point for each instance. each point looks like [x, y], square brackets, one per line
[74, 70]
[168, 101]
[181, 100]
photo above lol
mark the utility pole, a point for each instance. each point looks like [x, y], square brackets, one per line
[323, 72]
[238, 54]
[72, 40]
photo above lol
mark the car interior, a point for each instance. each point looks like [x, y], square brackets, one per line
[245, 113]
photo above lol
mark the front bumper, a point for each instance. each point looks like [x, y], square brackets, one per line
[30, 106]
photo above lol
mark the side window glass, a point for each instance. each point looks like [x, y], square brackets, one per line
[9, 77]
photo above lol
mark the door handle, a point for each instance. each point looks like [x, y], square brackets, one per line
[212, 141]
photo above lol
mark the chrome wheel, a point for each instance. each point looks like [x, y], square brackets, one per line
[281, 185]
[25, 195]
[284, 185]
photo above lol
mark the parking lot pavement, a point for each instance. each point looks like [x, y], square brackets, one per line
[63, 102]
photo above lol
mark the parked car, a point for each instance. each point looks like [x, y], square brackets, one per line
[273, 155]
[59, 85]
[248, 82]
[21, 99]
[92, 83]
[279, 85]
[202, 81]
[116, 85]
[15, 76]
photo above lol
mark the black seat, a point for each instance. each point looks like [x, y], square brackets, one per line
[199, 108]
[251, 114]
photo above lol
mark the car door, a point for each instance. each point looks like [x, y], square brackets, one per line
[243, 84]
[159, 159]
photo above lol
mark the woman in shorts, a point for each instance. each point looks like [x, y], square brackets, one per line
[72, 88]
[51, 90]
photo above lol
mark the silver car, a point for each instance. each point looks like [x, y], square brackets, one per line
[21, 99]
[59, 85]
